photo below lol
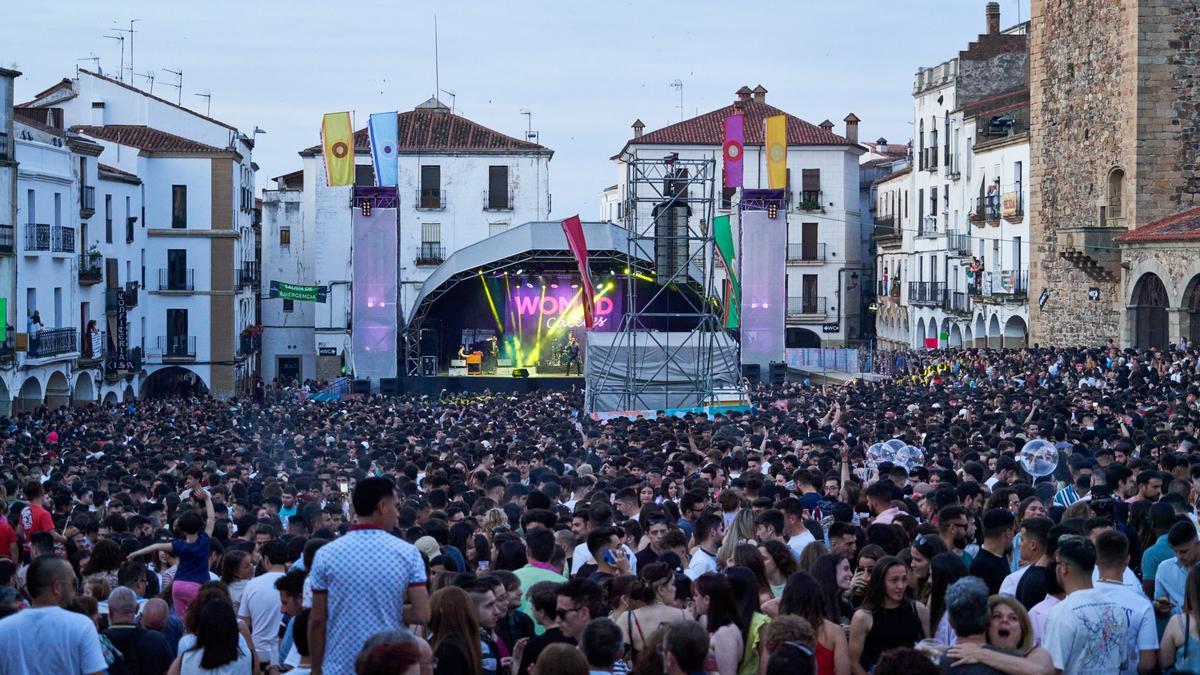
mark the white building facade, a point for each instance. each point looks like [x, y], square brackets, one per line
[825, 273]
[164, 261]
[459, 183]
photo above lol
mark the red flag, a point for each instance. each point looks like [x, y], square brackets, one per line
[574, 231]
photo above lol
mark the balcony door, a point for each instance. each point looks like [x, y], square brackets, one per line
[431, 186]
[808, 241]
[498, 187]
[177, 332]
[809, 293]
[176, 269]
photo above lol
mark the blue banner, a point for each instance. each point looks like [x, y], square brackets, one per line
[382, 128]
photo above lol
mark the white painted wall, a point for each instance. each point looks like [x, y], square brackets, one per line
[288, 333]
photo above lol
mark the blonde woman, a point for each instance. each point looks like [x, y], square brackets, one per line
[493, 519]
[740, 531]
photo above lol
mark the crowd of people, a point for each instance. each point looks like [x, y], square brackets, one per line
[506, 534]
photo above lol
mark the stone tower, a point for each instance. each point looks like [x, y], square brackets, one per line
[1115, 144]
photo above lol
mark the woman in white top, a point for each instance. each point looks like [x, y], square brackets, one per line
[237, 569]
[217, 647]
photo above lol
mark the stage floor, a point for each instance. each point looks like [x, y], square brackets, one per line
[432, 386]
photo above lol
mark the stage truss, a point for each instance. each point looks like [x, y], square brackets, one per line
[653, 187]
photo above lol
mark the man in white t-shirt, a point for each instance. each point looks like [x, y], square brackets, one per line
[709, 530]
[261, 606]
[1112, 560]
[793, 520]
[47, 638]
[1086, 632]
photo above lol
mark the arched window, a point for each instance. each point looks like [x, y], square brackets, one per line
[1114, 213]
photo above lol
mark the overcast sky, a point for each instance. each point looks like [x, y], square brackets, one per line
[586, 69]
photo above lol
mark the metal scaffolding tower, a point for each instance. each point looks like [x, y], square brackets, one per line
[666, 348]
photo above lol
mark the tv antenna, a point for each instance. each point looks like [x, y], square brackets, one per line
[148, 76]
[678, 84]
[178, 84]
[437, 82]
[121, 39]
[530, 134]
[95, 63]
[207, 96]
[131, 31]
[452, 99]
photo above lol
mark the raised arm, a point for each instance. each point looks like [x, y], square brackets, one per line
[152, 548]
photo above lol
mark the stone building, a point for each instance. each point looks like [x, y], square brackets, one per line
[1115, 134]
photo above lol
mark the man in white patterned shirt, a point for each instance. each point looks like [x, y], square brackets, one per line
[365, 582]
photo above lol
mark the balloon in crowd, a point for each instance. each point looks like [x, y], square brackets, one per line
[1039, 457]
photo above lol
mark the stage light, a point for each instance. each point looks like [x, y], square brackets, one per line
[553, 285]
[528, 284]
[626, 270]
[574, 285]
[520, 271]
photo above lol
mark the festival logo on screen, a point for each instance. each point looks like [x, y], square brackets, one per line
[560, 311]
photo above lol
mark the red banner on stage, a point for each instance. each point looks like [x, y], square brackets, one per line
[573, 228]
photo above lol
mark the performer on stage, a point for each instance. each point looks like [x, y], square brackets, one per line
[491, 354]
[573, 355]
[462, 351]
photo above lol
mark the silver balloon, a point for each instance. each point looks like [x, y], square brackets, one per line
[895, 445]
[874, 455]
[1039, 457]
[909, 457]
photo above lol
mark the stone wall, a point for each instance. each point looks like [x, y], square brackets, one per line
[992, 74]
[1082, 116]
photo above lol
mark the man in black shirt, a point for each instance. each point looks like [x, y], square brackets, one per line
[991, 563]
[655, 529]
[144, 651]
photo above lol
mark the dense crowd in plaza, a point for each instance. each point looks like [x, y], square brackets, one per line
[508, 534]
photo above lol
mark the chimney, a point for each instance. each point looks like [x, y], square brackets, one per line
[826, 125]
[852, 121]
[760, 94]
[97, 112]
[881, 145]
[638, 127]
[743, 94]
[993, 18]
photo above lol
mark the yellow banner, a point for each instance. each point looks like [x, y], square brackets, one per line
[337, 140]
[777, 152]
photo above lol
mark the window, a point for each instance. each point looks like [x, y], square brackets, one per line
[285, 236]
[498, 197]
[31, 206]
[431, 244]
[57, 209]
[289, 305]
[496, 228]
[431, 187]
[364, 175]
[921, 147]
[431, 233]
[810, 185]
[178, 206]
[921, 211]
[808, 241]
[726, 198]
[58, 308]
[177, 333]
[108, 219]
[808, 286]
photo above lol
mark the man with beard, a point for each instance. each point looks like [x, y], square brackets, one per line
[991, 563]
[47, 638]
[952, 528]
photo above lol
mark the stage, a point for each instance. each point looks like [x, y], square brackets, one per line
[432, 386]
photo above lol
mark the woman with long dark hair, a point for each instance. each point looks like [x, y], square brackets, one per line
[924, 547]
[652, 596]
[833, 574]
[219, 647]
[804, 597]
[454, 633]
[887, 617]
[747, 555]
[944, 569]
[718, 612]
[237, 569]
[746, 593]
[779, 564]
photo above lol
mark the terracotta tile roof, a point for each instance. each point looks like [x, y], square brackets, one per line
[1183, 226]
[117, 174]
[709, 128]
[432, 130]
[146, 138]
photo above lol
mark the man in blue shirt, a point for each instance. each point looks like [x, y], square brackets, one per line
[1162, 517]
[1170, 581]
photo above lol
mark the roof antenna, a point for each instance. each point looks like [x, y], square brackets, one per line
[437, 82]
[121, 39]
[530, 134]
[452, 99]
[131, 31]
[207, 95]
[149, 76]
[95, 64]
[178, 84]
[678, 84]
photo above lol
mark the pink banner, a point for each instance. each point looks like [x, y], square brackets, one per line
[733, 150]
[931, 343]
[575, 242]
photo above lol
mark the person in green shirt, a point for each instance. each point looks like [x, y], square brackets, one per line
[539, 549]
[1162, 517]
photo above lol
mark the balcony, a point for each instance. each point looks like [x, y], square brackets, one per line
[249, 344]
[927, 226]
[1012, 206]
[497, 201]
[177, 279]
[53, 342]
[1001, 286]
[928, 293]
[813, 253]
[431, 254]
[431, 200]
[806, 309]
[177, 347]
[129, 222]
[806, 200]
[62, 239]
[87, 201]
[93, 349]
[887, 232]
[957, 302]
[987, 209]
[37, 237]
[8, 238]
[8, 348]
[113, 302]
[91, 269]
[248, 275]
[959, 244]
[931, 159]
[889, 290]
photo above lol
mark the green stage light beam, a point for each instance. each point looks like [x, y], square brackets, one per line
[491, 303]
